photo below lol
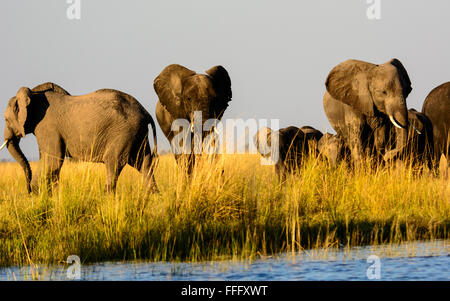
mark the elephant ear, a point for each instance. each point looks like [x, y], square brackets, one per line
[23, 101]
[403, 76]
[262, 140]
[414, 119]
[168, 86]
[348, 82]
[222, 85]
[48, 86]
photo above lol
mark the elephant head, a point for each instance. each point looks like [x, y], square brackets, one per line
[262, 141]
[313, 137]
[373, 89]
[369, 88]
[332, 148]
[182, 92]
[21, 120]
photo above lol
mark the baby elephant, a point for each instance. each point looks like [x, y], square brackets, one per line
[420, 138]
[293, 144]
[332, 148]
[105, 126]
[419, 148]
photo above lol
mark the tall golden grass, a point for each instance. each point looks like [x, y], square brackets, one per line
[233, 207]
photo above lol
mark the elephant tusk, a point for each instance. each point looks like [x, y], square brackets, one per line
[4, 144]
[417, 131]
[395, 122]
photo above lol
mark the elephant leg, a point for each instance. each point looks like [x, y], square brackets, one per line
[356, 149]
[145, 164]
[148, 171]
[113, 170]
[115, 160]
[190, 163]
[49, 168]
[281, 171]
[353, 135]
[50, 163]
[181, 160]
[187, 161]
[380, 141]
[444, 167]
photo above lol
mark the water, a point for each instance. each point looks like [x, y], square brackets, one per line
[409, 261]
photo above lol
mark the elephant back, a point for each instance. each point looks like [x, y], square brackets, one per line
[49, 87]
[313, 137]
[292, 141]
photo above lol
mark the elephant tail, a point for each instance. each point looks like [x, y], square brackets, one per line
[155, 140]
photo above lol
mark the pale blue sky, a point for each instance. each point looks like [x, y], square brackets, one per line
[278, 53]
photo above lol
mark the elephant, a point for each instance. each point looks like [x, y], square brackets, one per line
[333, 149]
[293, 144]
[105, 126]
[420, 145]
[183, 92]
[361, 99]
[437, 108]
[312, 136]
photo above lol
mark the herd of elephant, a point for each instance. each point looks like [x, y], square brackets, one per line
[364, 102]
[366, 106]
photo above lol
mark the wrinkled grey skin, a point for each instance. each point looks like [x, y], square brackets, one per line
[437, 108]
[106, 126]
[333, 149]
[181, 92]
[294, 144]
[361, 99]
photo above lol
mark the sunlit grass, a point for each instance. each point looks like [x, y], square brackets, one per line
[233, 208]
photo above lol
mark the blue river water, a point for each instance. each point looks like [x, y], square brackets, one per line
[420, 260]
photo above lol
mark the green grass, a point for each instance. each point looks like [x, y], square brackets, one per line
[242, 213]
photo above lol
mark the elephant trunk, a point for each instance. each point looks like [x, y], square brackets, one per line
[398, 112]
[401, 139]
[197, 120]
[12, 144]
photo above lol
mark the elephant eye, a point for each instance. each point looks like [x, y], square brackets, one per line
[384, 92]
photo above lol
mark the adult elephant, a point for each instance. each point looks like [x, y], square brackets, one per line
[437, 108]
[293, 145]
[106, 126]
[181, 93]
[361, 98]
